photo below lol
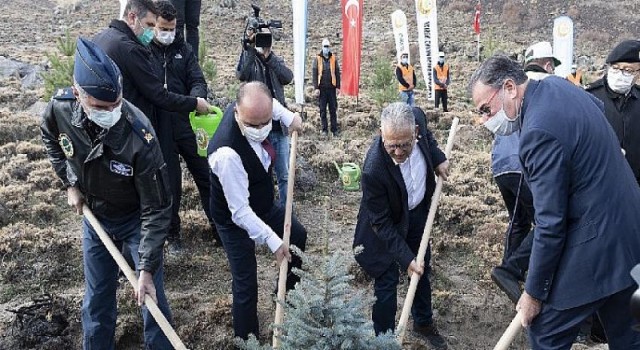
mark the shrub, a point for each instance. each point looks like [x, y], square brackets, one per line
[382, 82]
[60, 74]
[207, 64]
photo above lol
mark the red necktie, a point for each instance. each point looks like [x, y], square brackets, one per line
[270, 150]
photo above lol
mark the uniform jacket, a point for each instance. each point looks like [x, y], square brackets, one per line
[121, 173]
[623, 113]
[140, 84]
[329, 78]
[383, 218]
[585, 197]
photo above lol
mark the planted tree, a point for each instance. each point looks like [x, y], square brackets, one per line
[60, 74]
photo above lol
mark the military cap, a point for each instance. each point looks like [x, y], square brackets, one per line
[95, 72]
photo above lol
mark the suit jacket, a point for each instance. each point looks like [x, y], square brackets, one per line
[586, 199]
[383, 219]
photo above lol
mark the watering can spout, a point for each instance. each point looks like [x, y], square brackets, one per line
[338, 168]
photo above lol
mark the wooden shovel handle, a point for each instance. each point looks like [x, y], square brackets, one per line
[284, 266]
[509, 334]
[133, 279]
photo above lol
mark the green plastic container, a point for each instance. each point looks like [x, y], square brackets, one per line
[204, 126]
[350, 176]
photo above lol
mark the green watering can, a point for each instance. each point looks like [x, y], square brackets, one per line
[204, 126]
[350, 175]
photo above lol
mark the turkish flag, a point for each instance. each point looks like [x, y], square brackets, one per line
[476, 20]
[351, 46]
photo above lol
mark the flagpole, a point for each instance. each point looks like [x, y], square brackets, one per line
[478, 48]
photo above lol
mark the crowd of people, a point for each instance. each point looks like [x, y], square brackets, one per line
[565, 159]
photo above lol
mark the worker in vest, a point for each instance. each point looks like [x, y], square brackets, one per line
[576, 76]
[406, 76]
[441, 79]
[326, 79]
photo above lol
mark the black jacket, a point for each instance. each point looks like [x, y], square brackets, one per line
[120, 172]
[140, 85]
[252, 67]
[623, 113]
[383, 218]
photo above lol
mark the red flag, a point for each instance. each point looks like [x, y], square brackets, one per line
[476, 19]
[351, 46]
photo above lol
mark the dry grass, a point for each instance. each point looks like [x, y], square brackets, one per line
[513, 13]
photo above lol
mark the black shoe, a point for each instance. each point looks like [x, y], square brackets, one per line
[507, 282]
[325, 133]
[336, 133]
[430, 332]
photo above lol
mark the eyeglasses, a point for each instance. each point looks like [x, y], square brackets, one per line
[401, 146]
[626, 71]
[485, 109]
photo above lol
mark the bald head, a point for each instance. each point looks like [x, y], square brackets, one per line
[254, 104]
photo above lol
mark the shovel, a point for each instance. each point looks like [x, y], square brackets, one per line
[282, 277]
[509, 334]
[133, 279]
[424, 243]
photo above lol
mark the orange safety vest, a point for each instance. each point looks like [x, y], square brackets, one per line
[577, 80]
[442, 73]
[407, 75]
[332, 66]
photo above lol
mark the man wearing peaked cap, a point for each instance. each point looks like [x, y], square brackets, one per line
[619, 91]
[539, 61]
[326, 79]
[103, 150]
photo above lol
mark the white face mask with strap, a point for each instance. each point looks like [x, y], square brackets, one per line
[619, 81]
[501, 124]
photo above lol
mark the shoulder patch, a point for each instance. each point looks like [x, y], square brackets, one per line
[64, 94]
[142, 131]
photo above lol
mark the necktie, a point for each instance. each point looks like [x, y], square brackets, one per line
[270, 150]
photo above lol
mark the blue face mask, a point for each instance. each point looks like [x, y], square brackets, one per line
[146, 36]
[325, 51]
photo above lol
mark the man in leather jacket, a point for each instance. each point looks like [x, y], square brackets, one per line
[105, 152]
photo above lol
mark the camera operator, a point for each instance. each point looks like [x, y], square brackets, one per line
[259, 63]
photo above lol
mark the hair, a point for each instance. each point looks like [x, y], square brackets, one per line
[141, 7]
[166, 10]
[495, 71]
[398, 116]
[246, 89]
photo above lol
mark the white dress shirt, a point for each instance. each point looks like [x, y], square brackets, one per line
[414, 171]
[227, 165]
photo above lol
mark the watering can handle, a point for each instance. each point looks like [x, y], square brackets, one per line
[355, 166]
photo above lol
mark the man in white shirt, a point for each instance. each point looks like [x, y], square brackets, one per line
[242, 196]
[397, 184]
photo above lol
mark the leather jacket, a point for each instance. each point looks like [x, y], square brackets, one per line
[120, 171]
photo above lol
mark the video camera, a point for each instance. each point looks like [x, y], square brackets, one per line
[256, 24]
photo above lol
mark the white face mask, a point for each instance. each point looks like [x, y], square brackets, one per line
[254, 134]
[166, 37]
[260, 50]
[618, 81]
[104, 119]
[502, 125]
[404, 61]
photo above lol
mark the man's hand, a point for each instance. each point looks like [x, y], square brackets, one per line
[296, 124]
[203, 106]
[75, 199]
[414, 267]
[442, 170]
[529, 308]
[282, 253]
[145, 286]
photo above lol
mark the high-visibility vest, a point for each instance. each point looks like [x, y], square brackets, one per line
[577, 80]
[332, 66]
[442, 73]
[407, 75]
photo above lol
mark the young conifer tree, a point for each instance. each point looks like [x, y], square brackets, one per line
[326, 312]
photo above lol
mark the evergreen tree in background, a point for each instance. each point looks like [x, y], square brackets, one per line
[326, 312]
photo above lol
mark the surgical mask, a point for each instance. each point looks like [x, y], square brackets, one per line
[502, 125]
[404, 61]
[325, 51]
[441, 61]
[166, 37]
[104, 119]
[254, 134]
[619, 81]
[146, 36]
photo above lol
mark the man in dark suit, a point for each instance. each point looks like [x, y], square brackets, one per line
[397, 185]
[585, 199]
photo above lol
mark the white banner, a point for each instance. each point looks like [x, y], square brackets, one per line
[427, 18]
[399, 24]
[123, 4]
[563, 44]
[299, 46]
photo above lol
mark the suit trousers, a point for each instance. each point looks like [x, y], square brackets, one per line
[328, 98]
[385, 285]
[241, 252]
[99, 306]
[189, 17]
[557, 329]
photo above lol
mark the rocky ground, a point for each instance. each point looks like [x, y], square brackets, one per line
[39, 236]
